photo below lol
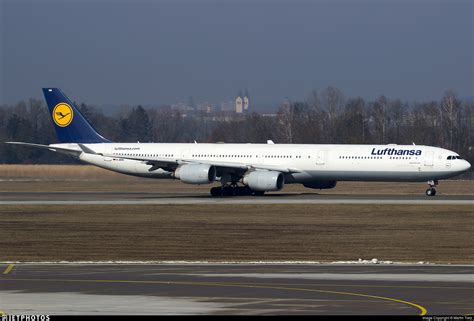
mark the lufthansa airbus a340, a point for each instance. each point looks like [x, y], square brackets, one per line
[248, 169]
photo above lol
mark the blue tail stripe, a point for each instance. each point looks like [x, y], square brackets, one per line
[70, 125]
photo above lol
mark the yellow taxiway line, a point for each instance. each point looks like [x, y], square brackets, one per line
[422, 310]
[9, 268]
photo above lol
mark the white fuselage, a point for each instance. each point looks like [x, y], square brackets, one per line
[306, 162]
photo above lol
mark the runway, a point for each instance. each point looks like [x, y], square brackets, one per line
[260, 289]
[150, 198]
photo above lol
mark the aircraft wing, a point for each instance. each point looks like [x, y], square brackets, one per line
[166, 162]
[244, 166]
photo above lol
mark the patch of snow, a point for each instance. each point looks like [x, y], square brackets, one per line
[72, 303]
[361, 261]
[397, 277]
[162, 262]
[377, 261]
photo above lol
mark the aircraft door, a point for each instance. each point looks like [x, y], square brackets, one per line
[429, 158]
[448, 163]
[186, 153]
[260, 158]
[321, 157]
[108, 151]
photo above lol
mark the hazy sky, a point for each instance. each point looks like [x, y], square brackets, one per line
[156, 52]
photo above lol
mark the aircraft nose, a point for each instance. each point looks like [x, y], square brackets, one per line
[466, 165]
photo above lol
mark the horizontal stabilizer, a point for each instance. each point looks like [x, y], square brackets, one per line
[49, 147]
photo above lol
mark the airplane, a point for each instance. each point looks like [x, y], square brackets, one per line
[247, 169]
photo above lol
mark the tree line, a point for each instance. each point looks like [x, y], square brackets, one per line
[326, 117]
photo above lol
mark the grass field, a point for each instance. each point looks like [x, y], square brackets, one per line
[408, 233]
[245, 233]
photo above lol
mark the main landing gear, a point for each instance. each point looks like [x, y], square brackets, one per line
[234, 190]
[431, 191]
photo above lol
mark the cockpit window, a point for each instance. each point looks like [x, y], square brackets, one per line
[450, 157]
[454, 157]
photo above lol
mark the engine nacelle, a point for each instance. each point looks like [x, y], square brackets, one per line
[196, 173]
[320, 184]
[264, 180]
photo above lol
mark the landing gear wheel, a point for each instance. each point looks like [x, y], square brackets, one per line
[216, 191]
[239, 191]
[431, 191]
[227, 191]
[246, 191]
[234, 190]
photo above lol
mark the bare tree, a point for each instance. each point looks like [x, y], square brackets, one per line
[332, 101]
[314, 102]
[285, 121]
[449, 111]
[353, 127]
[398, 120]
[426, 126]
[379, 111]
[332, 105]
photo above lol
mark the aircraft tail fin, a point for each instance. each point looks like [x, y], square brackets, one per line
[70, 125]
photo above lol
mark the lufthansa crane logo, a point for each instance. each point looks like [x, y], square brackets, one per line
[62, 114]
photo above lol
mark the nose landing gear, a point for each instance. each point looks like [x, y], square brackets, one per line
[431, 191]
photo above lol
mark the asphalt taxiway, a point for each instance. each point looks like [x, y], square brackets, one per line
[151, 198]
[265, 289]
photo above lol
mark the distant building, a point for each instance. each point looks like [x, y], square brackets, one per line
[205, 107]
[227, 106]
[242, 102]
[246, 100]
[239, 103]
[181, 107]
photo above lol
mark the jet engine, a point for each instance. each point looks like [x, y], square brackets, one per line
[196, 173]
[264, 180]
